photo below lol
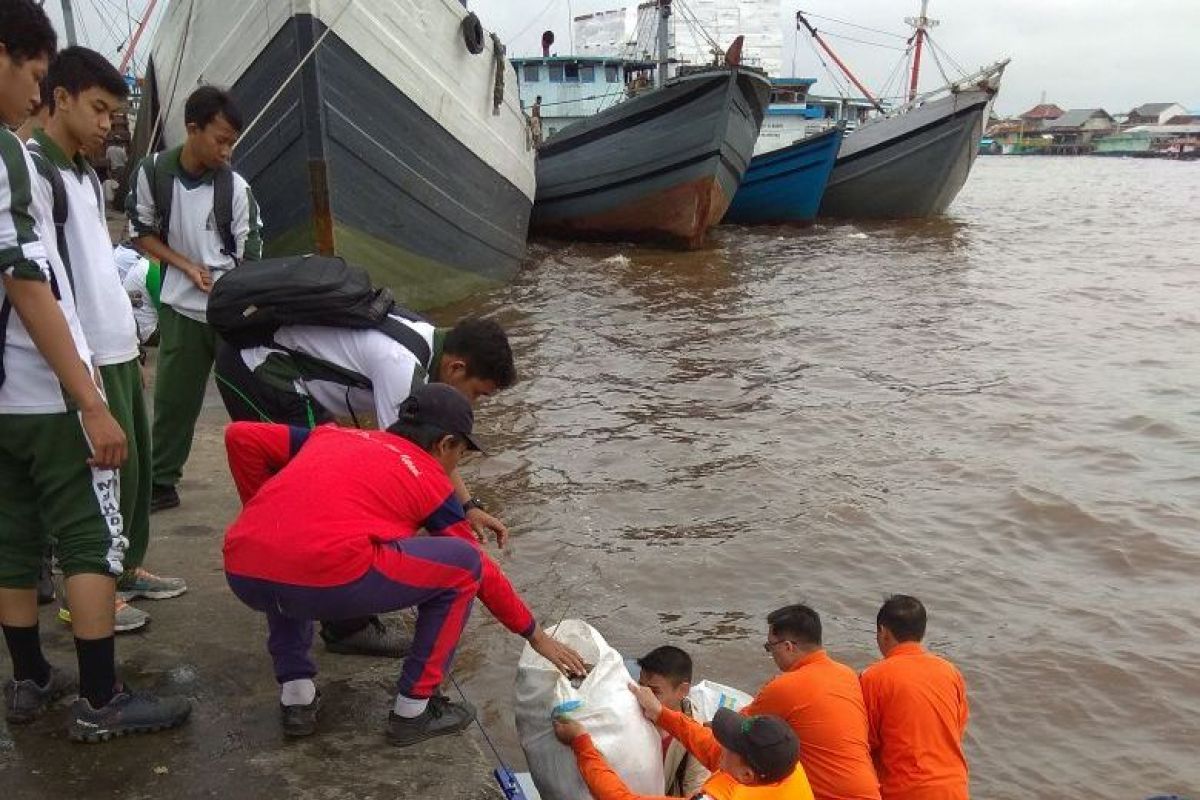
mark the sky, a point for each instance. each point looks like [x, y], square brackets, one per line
[105, 25]
[1112, 54]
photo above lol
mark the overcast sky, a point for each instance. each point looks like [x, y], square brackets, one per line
[1114, 54]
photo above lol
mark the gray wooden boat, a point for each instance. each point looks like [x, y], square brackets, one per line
[393, 133]
[663, 165]
[913, 161]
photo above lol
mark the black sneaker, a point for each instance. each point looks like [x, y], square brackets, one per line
[375, 639]
[300, 720]
[25, 701]
[46, 590]
[163, 497]
[128, 712]
[440, 717]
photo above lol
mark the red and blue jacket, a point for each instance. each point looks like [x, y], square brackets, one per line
[344, 492]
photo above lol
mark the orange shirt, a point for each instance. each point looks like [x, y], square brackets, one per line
[605, 784]
[822, 701]
[917, 709]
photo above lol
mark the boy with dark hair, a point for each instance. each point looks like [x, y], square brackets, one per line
[751, 758]
[667, 671]
[822, 701]
[917, 710]
[315, 374]
[59, 445]
[29, 42]
[83, 90]
[483, 346]
[329, 530]
[197, 217]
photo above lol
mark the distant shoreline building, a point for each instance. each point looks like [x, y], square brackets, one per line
[1164, 130]
[1154, 113]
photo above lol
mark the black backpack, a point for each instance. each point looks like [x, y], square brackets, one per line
[248, 304]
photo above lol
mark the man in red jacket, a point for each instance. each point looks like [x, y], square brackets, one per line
[329, 531]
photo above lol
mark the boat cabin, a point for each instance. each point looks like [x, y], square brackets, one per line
[576, 87]
[794, 113]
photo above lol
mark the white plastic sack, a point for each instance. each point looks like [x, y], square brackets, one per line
[608, 711]
[707, 697]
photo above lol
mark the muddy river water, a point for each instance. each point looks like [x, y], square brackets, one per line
[997, 411]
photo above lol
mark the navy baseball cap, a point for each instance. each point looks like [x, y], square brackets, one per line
[442, 407]
[768, 744]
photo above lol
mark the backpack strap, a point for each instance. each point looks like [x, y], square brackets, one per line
[409, 338]
[223, 210]
[162, 186]
[58, 191]
[5, 313]
[680, 772]
[318, 369]
[95, 179]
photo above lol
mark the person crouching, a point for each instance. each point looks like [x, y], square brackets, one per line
[328, 531]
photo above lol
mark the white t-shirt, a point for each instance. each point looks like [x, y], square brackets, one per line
[134, 269]
[193, 230]
[391, 367]
[30, 385]
[100, 298]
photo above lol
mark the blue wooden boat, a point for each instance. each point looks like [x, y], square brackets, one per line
[786, 185]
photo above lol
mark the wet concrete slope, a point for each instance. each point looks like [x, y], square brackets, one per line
[207, 646]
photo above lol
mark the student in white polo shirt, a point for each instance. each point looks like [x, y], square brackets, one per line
[81, 91]
[197, 217]
[316, 373]
[59, 445]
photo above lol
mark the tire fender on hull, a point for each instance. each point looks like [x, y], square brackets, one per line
[472, 31]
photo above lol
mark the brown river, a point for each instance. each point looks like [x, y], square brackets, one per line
[997, 411]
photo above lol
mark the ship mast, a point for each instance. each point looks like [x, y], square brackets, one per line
[922, 24]
[800, 20]
[138, 35]
[664, 45]
[68, 13]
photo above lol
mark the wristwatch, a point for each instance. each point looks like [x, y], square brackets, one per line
[473, 503]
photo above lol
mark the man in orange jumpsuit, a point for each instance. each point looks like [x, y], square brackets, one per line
[751, 758]
[917, 710]
[822, 701]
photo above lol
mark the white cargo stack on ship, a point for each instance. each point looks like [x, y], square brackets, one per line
[694, 29]
[603, 33]
[724, 20]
